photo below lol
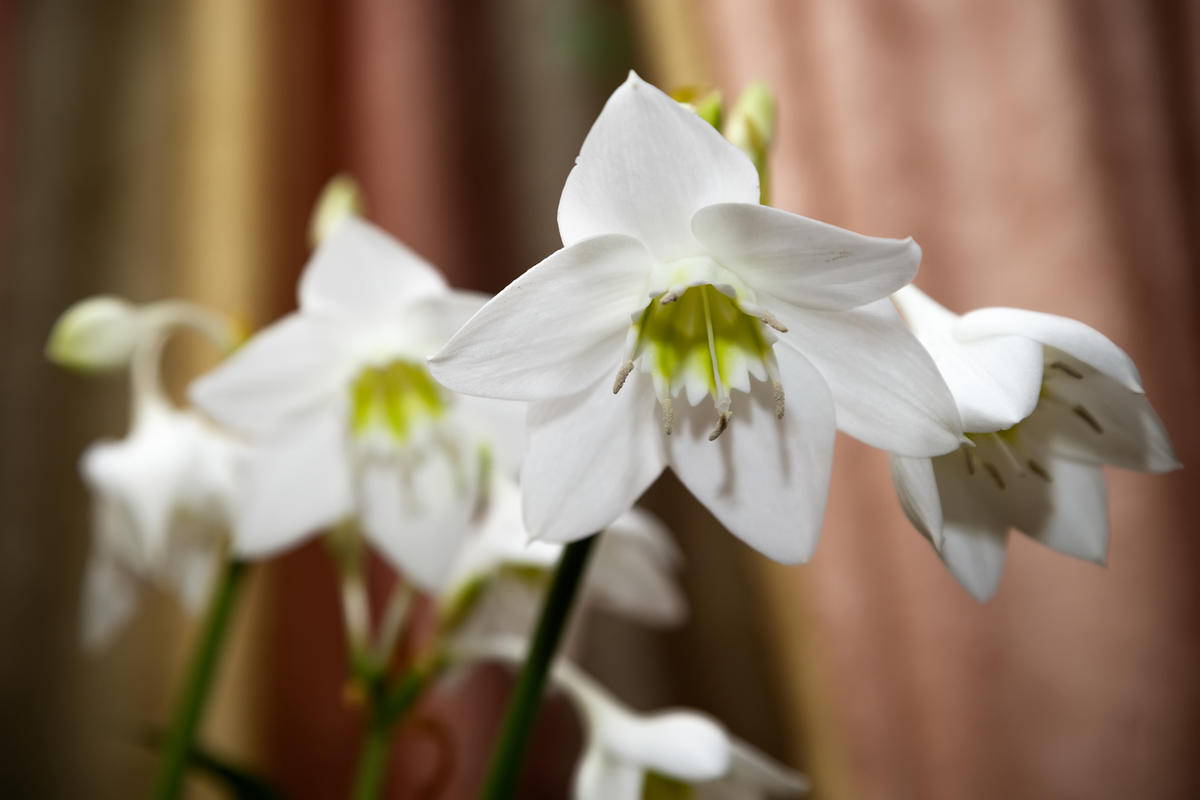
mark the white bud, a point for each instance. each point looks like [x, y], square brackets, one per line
[95, 334]
[341, 196]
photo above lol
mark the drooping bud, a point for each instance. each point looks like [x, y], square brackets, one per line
[751, 126]
[95, 334]
[341, 196]
[705, 101]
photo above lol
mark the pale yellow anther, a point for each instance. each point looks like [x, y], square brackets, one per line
[622, 374]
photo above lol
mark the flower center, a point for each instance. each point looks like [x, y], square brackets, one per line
[701, 341]
[395, 397]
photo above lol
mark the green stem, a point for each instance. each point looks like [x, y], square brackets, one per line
[385, 709]
[178, 747]
[522, 709]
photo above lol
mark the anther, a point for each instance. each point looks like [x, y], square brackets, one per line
[778, 399]
[1087, 417]
[722, 424]
[970, 459]
[622, 374]
[668, 415]
[1039, 470]
[668, 297]
[769, 319]
[995, 473]
[1068, 369]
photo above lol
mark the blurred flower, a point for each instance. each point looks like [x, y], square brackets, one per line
[500, 576]
[741, 297]
[345, 416]
[1045, 401]
[666, 754]
[164, 496]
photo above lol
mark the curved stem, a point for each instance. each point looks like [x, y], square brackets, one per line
[522, 710]
[373, 760]
[178, 747]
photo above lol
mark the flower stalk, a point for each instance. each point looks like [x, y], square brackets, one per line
[518, 722]
[193, 699]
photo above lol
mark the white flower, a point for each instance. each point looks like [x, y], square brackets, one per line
[666, 754]
[1045, 401]
[344, 415]
[499, 576]
[677, 282]
[162, 497]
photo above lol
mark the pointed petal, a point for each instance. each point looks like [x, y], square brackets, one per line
[360, 270]
[762, 775]
[886, 388]
[297, 483]
[684, 745]
[427, 324]
[600, 776]
[285, 370]
[109, 598]
[916, 488]
[975, 535]
[1070, 336]
[633, 571]
[553, 331]
[765, 479]
[1116, 426]
[647, 165]
[802, 261]
[1069, 513]
[418, 518]
[590, 457]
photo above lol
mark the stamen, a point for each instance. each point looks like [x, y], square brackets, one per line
[1040, 471]
[1087, 417]
[1068, 369]
[995, 473]
[1010, 453]
[622, 374]
[722, 424]
[772, 367]
[669, 297]
[668, 414]
[778, 387]
[770, 319]
[970, 459]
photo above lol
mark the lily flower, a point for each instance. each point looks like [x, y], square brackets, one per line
[163, 496]
[740, 323]
[1045, 401]
[346, 419]
[499, 576]
[633, 756]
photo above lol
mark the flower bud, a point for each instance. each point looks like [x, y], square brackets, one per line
[341, 196]
[751, 126]
[705, 101]
[95, 334]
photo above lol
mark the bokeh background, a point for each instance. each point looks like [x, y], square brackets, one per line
[1044, 153]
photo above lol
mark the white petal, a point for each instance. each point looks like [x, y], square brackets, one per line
[762, 775]
[803, 261]
[109, 598]
[359, 270]
[684, 745]
[886, 388]
[916, 487]
[1069, 513]
[1070, 336]
[633, 571]
[765, 479]
[498, 425]
[297, 483]
[995, 380]
[554, 330]
[418, 517]
[284, 371]
[191, 561]
[600, 776]
[428, 323]
[1130, 434]
[975, 537]
[591, 455]
[647, 165]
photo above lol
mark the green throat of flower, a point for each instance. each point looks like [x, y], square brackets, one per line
[396, 397]
[701, 341]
